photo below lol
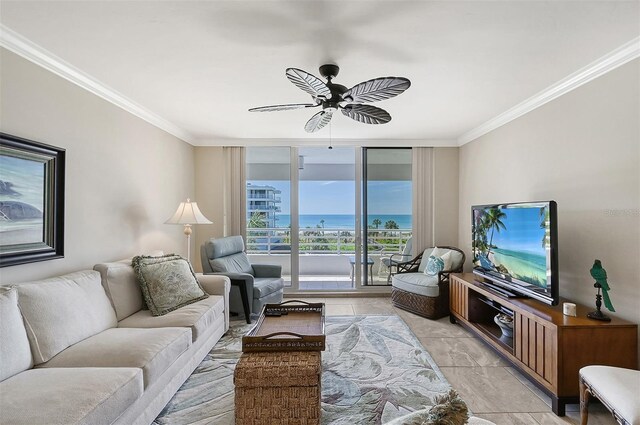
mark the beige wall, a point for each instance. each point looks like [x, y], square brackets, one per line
[124, 177]
[582, 150]
[209, 171]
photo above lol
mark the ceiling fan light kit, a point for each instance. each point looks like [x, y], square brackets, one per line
[333, 97]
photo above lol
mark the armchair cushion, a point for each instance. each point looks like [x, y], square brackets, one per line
[238, 263]
[263, 286]
[452, 258]
[224, 247]
[417, 283]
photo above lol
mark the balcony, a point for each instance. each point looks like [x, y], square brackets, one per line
[324, 254]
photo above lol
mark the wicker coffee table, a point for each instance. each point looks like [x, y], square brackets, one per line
[277, 380]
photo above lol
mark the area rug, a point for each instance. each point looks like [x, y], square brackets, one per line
[374, 369]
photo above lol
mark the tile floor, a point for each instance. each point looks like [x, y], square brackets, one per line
[492, 389]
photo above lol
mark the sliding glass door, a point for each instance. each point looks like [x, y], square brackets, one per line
[387, 209]
[327, 218]
[331, 218]
[269, 207]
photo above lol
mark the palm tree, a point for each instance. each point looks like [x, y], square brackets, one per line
[544, 219]
[376, 222]
[391, 224]
[257, 221]
[493, 221]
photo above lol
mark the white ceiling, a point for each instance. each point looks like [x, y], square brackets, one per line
[201, 64]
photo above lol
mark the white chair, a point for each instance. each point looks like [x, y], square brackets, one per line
[392, 261]
[617, 388]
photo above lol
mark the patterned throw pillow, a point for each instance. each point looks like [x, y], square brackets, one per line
[167, 282]
[434, 265]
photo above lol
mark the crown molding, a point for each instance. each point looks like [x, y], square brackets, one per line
[623, 54]
[453, 143]
[24, 47]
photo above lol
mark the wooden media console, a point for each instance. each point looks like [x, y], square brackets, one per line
[547, 346]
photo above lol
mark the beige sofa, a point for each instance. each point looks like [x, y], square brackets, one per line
[80, 349]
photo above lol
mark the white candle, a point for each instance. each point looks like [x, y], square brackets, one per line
[569, 309]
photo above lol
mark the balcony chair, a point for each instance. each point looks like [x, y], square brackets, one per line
[262, 283]
[391, 262]
[425, 295]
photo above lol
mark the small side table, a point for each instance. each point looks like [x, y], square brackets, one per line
[242, 287]
[352, 261]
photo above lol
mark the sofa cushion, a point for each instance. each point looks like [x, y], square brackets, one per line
[167, 283]
[152, 350]
[68, 396]
[197, 316]
[263, 286]
[121, 285]
[15, 353]
[417, 283]
[64, 310]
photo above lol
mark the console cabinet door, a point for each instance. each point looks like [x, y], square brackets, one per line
[535, 345]
[459, 298]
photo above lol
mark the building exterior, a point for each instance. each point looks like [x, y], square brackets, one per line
[263, 199]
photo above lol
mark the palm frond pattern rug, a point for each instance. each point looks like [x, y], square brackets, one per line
[374, 369]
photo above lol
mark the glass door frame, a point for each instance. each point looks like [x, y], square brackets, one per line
[360, 229]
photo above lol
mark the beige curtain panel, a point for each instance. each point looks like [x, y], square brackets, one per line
[422, 176]
[235, 192]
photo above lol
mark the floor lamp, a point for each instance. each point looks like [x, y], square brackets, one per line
[188, 213]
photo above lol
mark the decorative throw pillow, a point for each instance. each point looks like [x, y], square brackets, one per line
[167, 282]
[434, 265]
[449, 409]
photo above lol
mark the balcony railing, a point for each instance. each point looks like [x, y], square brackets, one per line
[277, 240]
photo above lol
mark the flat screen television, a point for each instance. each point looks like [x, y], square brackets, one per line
[515, 247]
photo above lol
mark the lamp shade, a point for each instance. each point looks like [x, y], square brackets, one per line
[188, 213]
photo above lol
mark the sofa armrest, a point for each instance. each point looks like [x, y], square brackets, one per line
[267, 270]
[217, 285]
[214, 284]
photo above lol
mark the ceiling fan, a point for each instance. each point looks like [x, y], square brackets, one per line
[331, 97]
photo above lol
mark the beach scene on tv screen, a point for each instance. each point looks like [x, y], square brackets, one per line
[513, 242]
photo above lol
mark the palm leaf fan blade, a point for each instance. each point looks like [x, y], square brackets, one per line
[367, 114]
[376, 89]
[308, 83]
[288, 107]
[318, 121]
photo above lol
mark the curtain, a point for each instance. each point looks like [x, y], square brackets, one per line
[422, 176]
[235, 192]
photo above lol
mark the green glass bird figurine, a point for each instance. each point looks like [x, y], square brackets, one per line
[600, 275]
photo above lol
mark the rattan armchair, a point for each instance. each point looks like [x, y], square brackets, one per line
[424, 295]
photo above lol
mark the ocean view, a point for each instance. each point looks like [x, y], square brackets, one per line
[343, 221]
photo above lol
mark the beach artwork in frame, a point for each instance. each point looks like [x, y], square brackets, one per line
[31, 201]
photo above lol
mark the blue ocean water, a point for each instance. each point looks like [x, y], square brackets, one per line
[343, 221]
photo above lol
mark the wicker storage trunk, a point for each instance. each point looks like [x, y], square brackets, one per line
[278, 388]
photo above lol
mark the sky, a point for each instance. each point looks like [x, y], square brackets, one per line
[338, 197]
[523, 231]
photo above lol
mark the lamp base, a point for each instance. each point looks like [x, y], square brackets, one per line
[599, 315]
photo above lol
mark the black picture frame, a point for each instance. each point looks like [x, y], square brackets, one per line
[31, 201]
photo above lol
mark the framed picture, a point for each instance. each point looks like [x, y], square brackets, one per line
[31, 201]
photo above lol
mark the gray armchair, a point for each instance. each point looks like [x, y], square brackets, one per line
[263, 283]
